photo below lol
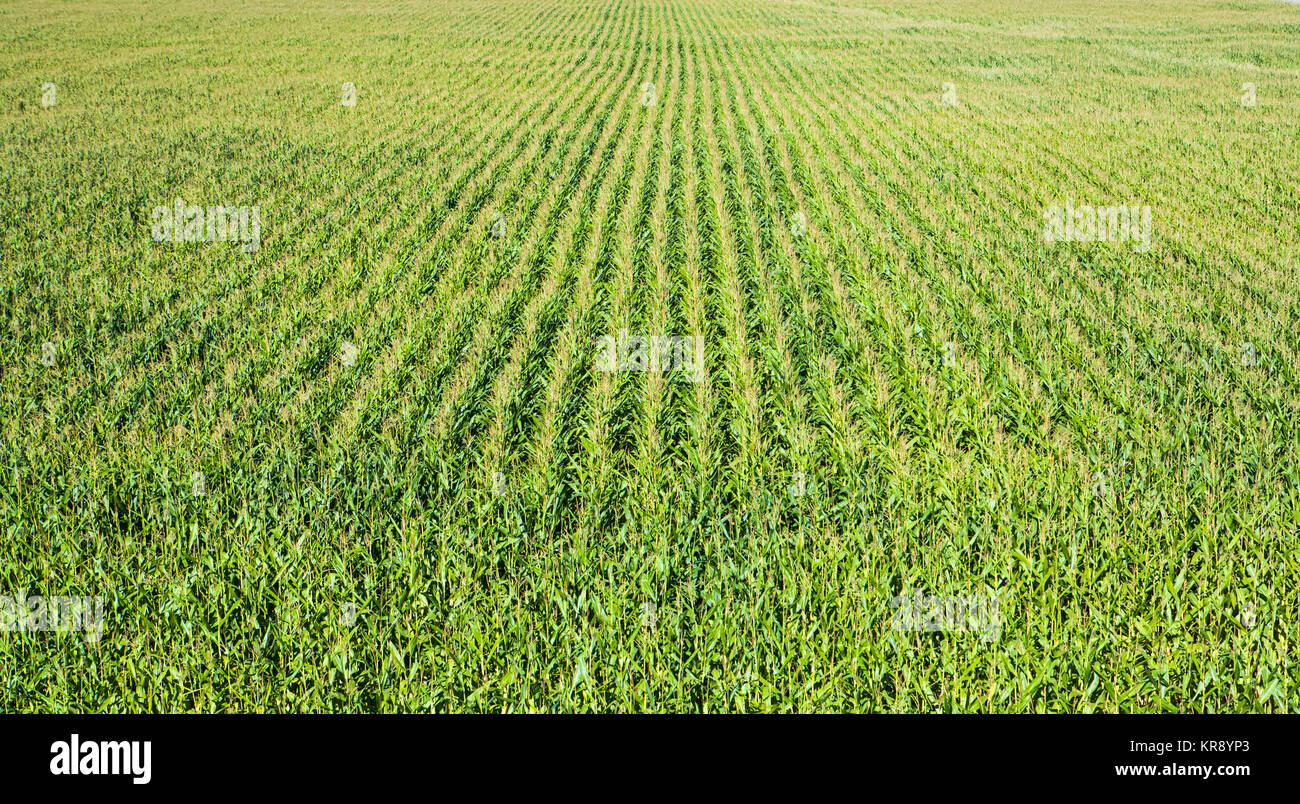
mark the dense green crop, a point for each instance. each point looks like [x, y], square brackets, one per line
[650, 355]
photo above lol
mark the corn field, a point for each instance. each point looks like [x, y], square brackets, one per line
[650, 356]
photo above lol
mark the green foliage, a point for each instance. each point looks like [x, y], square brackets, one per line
[904, 388]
